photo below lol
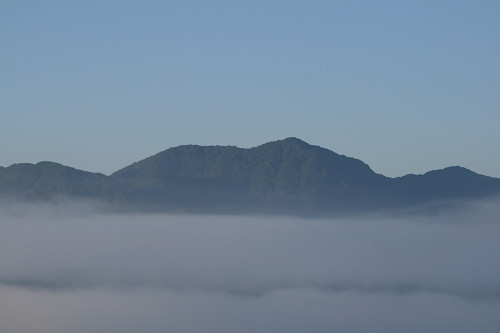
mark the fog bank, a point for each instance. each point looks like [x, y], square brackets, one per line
[70, 270]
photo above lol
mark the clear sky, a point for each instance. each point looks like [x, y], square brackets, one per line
[405, 86]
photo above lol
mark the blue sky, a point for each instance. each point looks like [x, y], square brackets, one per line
[405, 86]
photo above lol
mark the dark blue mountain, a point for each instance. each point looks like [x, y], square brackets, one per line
[287, 176]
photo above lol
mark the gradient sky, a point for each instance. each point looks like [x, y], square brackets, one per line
[405, 86]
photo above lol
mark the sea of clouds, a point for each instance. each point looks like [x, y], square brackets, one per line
[66, 268]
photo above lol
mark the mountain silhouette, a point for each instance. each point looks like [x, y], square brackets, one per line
[46, 180]
[287, 176]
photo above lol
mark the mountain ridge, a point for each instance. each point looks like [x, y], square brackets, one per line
[283, 176]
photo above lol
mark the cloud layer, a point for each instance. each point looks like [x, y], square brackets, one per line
[63, 271]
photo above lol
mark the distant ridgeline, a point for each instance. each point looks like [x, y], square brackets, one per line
[282, 177]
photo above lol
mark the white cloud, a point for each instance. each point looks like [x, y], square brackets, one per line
[118, 273]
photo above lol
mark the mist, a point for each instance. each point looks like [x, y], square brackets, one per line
[67, 268]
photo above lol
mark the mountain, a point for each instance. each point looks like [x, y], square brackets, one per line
[287, 176]
[47, 180]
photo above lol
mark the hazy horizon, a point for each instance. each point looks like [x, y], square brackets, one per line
[406, 87]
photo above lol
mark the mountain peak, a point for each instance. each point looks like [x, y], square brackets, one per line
[456, 171]
[288, 141]
[293, 139]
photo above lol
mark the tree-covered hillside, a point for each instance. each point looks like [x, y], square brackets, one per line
[286, 176]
